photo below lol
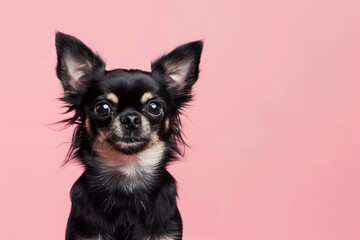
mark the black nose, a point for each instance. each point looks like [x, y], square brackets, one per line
[131, 121]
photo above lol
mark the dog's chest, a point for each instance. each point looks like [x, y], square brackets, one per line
[139, 171]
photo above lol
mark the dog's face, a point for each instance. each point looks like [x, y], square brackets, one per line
[127, 111]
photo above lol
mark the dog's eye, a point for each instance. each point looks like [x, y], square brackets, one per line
[102, 110]
[154, 108]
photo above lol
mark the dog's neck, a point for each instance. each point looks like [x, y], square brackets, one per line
[130, 171]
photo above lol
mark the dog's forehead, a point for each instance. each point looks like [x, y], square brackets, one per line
[130, 84]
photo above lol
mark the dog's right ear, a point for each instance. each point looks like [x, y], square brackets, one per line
[75, 63]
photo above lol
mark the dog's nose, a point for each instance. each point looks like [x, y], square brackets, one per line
[131, 121]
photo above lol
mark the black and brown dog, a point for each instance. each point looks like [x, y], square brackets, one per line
[127, 131]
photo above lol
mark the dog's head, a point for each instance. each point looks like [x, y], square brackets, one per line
[125, 111]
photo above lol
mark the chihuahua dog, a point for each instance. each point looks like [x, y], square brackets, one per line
[127, 131]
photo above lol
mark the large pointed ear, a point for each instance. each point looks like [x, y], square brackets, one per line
[75, 62]
[180, 69]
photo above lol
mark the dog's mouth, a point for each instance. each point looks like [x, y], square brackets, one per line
[130, 145]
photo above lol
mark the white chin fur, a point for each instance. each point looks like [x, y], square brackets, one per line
[138, 169]
[128, 144]
[144, 162]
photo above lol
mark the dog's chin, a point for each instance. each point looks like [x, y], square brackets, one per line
[130, 147]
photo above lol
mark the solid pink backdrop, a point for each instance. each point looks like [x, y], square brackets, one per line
[274, 128]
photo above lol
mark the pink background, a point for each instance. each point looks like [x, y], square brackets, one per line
[275, 127]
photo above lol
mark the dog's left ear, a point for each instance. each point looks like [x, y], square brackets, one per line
[180, 70]
[75, 64]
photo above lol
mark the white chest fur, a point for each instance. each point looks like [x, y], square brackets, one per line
[138, 170]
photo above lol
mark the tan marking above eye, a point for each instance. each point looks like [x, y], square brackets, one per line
[146, 96]
[112, 97]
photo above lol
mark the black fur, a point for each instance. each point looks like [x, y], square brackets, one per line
[107, 201]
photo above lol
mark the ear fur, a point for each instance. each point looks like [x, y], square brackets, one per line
[180, 69]
[75, 62]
